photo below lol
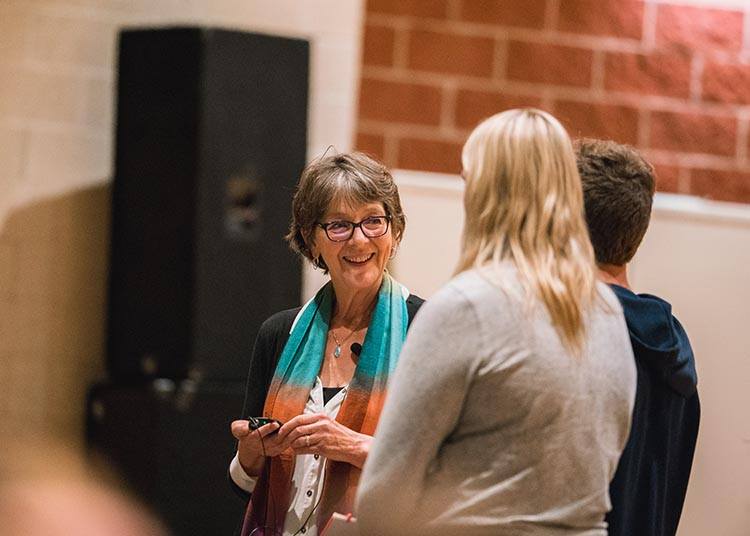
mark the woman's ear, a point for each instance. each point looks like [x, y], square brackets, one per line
[314, 253]
[309, 240]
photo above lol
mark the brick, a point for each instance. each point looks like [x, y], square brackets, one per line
[667, 178]
[415, 8]
[617, 18]
[428, 155]
[59, 161]
[99, 103]
[378, 45]
[31, 223]
[36, 312]
[451, 53]
[332, 125]
[79, 273]
[731, 186]
[527, 14]
[12, 149]
[14, 28]
[699, 28]
[474, 106]
[73, 40]
[335, 73]
[694, 133]
[660, 73]
[8, 267]
[399, 102]
[372, 144]
[9, 325]
[549, 64]
[68, 267]
[604, 121]
[726, 82]
[42, 96]
[132, 6]
[37, 265]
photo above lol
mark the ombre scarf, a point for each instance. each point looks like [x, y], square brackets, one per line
[289, 391]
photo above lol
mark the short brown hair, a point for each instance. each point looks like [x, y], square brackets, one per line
[618, 191]
[354, 178]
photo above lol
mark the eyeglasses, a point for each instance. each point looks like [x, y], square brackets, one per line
[342, 230]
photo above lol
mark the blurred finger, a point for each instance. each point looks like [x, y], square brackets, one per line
[240, 429]
[301, 420]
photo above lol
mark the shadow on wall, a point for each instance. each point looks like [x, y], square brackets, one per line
[53, 285]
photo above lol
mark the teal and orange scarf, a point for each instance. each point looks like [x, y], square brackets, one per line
[289, 391]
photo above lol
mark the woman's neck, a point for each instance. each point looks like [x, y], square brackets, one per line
[353, 308]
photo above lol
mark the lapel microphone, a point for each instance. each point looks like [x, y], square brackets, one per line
[356, 348]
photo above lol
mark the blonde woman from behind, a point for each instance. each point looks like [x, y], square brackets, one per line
[512, 399]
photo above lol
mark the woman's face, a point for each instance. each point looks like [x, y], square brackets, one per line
[357, 263]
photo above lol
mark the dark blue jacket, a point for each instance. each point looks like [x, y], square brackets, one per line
[649, 487]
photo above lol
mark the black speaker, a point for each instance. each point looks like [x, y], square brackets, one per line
[172, 444]
[211, 139]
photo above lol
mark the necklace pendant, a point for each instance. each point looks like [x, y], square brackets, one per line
[337, 351]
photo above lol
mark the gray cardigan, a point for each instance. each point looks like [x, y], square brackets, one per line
[492, 427]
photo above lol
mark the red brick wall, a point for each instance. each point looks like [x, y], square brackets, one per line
[674, 80]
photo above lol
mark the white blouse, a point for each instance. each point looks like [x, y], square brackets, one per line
[309, 471]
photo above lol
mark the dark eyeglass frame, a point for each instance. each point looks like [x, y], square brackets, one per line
[368, 234]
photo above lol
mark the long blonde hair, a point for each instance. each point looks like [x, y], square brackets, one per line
[524, 204]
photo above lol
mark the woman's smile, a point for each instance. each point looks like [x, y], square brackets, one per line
[358, 259]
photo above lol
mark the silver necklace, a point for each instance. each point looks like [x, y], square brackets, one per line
[337, 350]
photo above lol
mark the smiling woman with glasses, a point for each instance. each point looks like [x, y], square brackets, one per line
[322, 370]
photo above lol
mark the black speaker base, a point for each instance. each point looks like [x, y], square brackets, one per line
[172, 444]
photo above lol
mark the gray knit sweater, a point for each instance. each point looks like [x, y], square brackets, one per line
[492, 427]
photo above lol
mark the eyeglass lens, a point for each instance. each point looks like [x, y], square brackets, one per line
[371, 228]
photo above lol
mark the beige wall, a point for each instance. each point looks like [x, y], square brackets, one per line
[57, 81]
[696, 255]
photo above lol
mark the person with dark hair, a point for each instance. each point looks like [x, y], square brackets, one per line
[320, 372]
[649, 486]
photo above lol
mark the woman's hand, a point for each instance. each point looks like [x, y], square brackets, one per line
[319, 434]
[254, 445]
